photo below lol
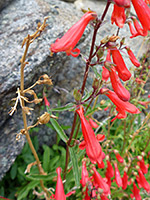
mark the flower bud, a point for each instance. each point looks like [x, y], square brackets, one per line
[102, 102]
[122, 41]
[96, 84]
[100, 53]
[105, 40]
[111, 44]
[77, 95]
[139, 157]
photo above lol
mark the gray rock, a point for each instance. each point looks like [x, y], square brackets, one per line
[13, 29]
[4, 3]
[19, 19]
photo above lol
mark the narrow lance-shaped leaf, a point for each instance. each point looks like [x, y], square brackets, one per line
[59, 130]
[75, 166]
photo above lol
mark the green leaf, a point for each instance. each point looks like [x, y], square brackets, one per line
[59, 130]
[63, 108]
[53, 162]
[25, 190]
[2, 191]
[38, 177]
[75, 166]
[13, 171]
[46, 158]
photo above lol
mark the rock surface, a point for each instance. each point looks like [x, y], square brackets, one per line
[4, 3]
[19, 19]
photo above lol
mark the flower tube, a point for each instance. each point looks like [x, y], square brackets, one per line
[119, 89]
[121, 68]
[91, 144]
[59, 194]
[143, 13]
[118, 16]
[73, 35]
[118, 178]
[121, 106]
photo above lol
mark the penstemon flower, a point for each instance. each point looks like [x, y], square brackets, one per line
[143, 181]
[118, 178]
[143, 166]
[121, 106]
[139, 29]
[99, 182]
[105, 72]
[59, 194]
[136, 193]
[46, 101]
[85, 180]
[118, 16]
[121, 68]
[92, 123]
[132, 57]
[90, 143]
[109, 170]
[124, 180]
[143, 13]
[119, 89]
[119, 158]
[73, 35]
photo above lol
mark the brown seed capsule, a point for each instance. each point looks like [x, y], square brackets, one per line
[44, 119]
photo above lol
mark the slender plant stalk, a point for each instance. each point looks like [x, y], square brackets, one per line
[41, 171]
[84, 83]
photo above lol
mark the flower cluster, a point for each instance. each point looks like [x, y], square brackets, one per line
[142, 11]
[95, 186]
[117, 168]
[117, 70]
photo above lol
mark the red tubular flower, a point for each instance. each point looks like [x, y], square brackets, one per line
[109, 170]
[124, 180]
[84, 179]
[118, 178]
[119, 158]
[93, 124]
[143, 13]
[59, 194]
[99, 182]
[143, 181]
[73, 35]
[139, 29]
[105, 72]
[132, 57]
[136, 192]
[46, 101]
[93, 148]
[122, 3]
[121, 68]
[85, 175]
[121, 91]
[143, 166]
[122, 106]
[118, 16]
[132, 29]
